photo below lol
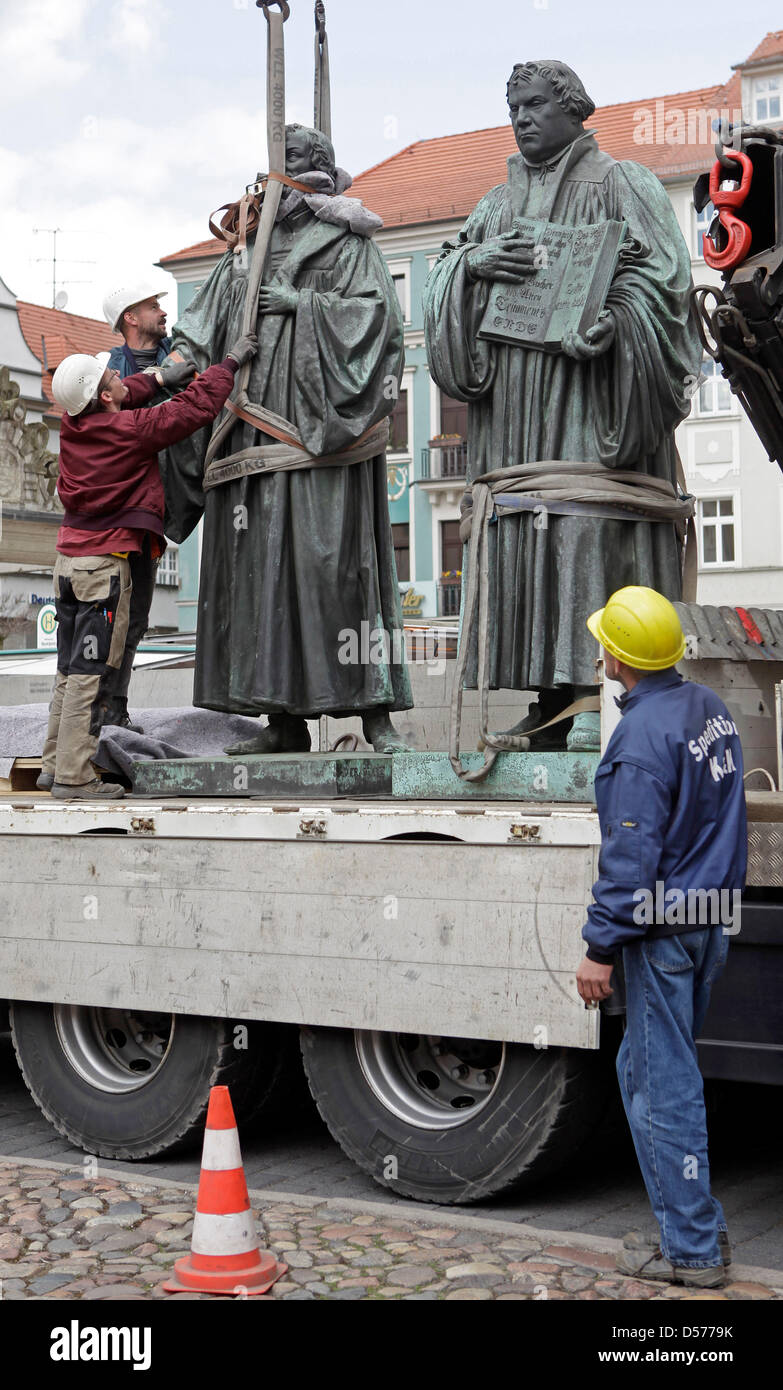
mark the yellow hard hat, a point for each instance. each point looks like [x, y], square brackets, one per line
[640, 627]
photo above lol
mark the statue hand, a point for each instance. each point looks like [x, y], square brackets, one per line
[596, 342]
[509, 257]
[278, 298]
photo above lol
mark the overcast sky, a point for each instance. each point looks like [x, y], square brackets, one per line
[126, 122]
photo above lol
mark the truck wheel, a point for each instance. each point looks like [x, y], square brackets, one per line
[453, 1119]
[127, 1084]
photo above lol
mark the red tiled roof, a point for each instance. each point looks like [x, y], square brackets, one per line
[211, 247]
[771, 46]
[441, 178]
[62, 334]
[433, 180]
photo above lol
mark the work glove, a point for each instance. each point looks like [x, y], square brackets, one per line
[174, 375]
[244, 348]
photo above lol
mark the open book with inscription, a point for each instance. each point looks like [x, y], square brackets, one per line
[568, 291]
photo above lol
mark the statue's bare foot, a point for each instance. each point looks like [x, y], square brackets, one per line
[379, 731]
[285, 733]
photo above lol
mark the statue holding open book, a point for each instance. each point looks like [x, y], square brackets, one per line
[561, 315]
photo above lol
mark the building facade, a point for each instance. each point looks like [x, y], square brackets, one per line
[424, 193]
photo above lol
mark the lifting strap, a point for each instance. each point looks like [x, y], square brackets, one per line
[322, 96]
[642, 497]
[275, 128]
[242, 217]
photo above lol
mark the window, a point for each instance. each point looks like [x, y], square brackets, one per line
[398, 439]
[767, 93]
[402, 550]
[716, 523]
[168, 567]
[400, 272]
[400, 287]
[703, 220]
[450, 547]
[714, 396]
[453, 416]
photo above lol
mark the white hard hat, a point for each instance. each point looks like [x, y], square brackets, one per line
[117, 301]
[75, 383]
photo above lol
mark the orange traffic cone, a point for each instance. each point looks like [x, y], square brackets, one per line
[224, 1255]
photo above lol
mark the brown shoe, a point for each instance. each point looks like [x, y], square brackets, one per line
[651, 1240]
[646, 1264]
[89, 791]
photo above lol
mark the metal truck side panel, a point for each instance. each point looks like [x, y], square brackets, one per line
[459, 939]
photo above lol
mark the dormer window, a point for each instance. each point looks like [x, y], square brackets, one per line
[767, 97]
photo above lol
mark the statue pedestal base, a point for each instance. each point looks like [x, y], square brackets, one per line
[273, 775]
[535, 776]
[408, 776]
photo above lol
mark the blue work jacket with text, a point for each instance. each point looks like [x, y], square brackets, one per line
[671, 805]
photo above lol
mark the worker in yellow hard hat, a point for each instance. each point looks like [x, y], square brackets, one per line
[671, 807]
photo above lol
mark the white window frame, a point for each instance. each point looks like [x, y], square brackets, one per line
[406, 385]
[720, 564]
[717, 379]
[167, 573]
[761, 91]
[701, 224]
[401, 269]
[434, 409]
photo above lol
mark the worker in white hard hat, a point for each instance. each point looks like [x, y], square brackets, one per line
[133, 309]
[111, 489]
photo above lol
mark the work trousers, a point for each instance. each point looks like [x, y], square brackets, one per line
[668, 983]
[143, 567]
[92, 601]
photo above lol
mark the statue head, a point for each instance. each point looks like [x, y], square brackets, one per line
[307, 149]
[548, 105]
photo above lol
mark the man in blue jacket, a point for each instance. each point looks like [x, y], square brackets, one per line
[672, 866]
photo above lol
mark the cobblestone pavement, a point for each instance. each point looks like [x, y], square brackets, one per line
[64, 1235]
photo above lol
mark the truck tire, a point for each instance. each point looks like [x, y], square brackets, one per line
[126, 1084]
[454, 1119]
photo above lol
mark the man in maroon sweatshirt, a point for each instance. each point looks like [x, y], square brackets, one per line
[112, 492]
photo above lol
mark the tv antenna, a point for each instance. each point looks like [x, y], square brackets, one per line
[59, 298]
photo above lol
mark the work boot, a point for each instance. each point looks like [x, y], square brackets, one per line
[284, 733]
[45, 781]
[96, 790]
[380, 733]
[122, 718]
[652, 1264]
[651, 1240]
[113, 712]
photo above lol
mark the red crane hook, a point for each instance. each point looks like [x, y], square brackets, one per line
[738, 232]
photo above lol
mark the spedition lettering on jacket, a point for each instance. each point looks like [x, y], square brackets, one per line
[717, 727]
[75, 1343]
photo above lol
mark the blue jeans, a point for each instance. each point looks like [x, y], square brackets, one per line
[668, 983]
